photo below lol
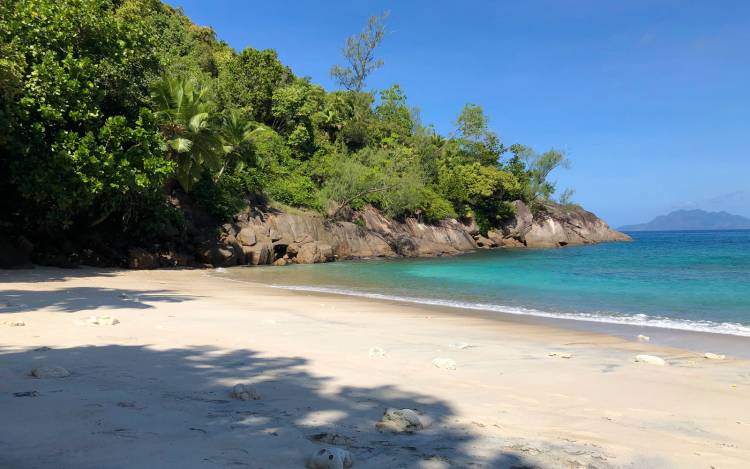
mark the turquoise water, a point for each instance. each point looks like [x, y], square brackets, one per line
[680, 280]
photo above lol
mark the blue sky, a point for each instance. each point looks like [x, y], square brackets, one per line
[649, 98]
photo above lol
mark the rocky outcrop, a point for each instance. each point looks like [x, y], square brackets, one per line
[277, 238]
[553, 226]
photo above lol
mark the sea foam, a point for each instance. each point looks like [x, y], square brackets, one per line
[607, 318]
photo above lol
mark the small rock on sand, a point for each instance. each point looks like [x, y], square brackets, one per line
[444, 363]
[714, 356]
[329, 458]
[12, 323]
[401, 421]
[103, 320]
[245, 392]
[459, 345]
[377, 352]
[43, 372]
[643, 338]
[650, 360]
[560, 355]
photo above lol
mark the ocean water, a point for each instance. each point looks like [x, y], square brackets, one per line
[694, 281]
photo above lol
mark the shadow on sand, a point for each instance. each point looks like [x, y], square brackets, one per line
[138, 407]
[71, 300]
[37, 274]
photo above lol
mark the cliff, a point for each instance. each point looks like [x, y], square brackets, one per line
[272, 237]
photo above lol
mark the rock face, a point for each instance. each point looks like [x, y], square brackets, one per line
[269, 237]
[555, 226]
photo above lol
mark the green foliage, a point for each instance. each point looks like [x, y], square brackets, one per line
[193, 140]
[475, 141]
[359, 53]
[248, 80]
[294, 110]
[105, 103]
[393, 120]
[223, 198]
[566, 198]
[78, 147]
[539, 168]
[295, 189]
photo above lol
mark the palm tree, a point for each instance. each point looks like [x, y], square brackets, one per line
[193, 142]
[237, 135]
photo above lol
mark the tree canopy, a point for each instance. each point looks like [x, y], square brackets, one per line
[113, 107]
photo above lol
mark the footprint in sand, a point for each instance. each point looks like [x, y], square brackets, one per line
[44, 372]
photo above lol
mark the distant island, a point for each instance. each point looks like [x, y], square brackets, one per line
[692, 220]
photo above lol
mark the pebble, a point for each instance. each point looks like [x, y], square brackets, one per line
[560, 355]
[650, 360]
[245, 392]
[444, 363]
[714, 356]
[103, 320]
[459, 345]
[13, 323]
[329, 458]
[401, 421]
[376, 352]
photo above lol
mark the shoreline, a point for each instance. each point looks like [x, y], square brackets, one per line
[154, 389]
[699, 341]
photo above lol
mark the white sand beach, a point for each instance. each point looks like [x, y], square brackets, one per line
[153, 390]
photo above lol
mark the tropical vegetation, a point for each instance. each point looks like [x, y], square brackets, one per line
[117, 114]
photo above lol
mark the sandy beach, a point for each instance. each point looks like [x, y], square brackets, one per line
[154, 389]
